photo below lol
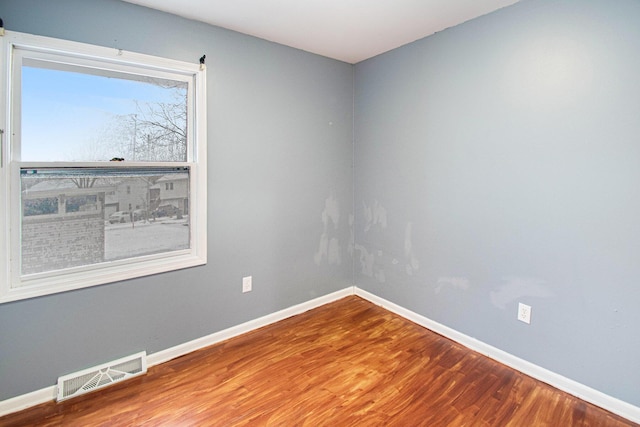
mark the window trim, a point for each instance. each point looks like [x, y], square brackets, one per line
[14, 286]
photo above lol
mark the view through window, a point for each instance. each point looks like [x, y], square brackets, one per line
[86, 216]
[76, 217]
[72, 114]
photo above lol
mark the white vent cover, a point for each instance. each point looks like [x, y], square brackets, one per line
[91, 379]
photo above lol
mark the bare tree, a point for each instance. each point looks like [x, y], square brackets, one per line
[84, 182]
[160, 129]
[157, 131]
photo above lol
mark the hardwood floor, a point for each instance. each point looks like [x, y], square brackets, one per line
[348, 363]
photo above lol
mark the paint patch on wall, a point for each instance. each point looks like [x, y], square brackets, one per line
[374, 215]
[352, 238]
[375, 262]
[412, 262]
[329, 245]
[331, 212]
[369, 263]
[461, 283]
[515, 288]
[334, 255]
[366, 260]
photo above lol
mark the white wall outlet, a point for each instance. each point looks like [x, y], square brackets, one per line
[524, 313]
[246, 284]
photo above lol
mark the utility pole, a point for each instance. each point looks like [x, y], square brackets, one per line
[133, 141]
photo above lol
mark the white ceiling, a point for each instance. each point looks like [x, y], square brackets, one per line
[348, 30]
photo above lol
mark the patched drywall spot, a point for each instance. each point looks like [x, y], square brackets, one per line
[323, 249]
[368, 265]
[329, 245]
[515, 288]
[331, 212]
[461, 283]
[412, 262]
[373, 261]
[366, 260]
[375, 221]
[352, 238]
[334, 256]
[374, 215]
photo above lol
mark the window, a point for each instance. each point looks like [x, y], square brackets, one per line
[90, 133]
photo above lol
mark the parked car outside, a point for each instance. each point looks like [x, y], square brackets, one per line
[139, 214]
[119, 217]
[166, 210]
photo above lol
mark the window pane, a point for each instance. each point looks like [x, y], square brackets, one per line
[74, 114]
[79, 217]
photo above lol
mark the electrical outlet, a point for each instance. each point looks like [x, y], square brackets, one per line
[524, 313]
[246, 284]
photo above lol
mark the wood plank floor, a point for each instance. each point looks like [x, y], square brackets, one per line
[348, 363]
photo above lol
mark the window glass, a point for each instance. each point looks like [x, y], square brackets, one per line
[76, 116]
[78, 217]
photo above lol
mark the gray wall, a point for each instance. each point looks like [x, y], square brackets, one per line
[280, 146]
[498, 162]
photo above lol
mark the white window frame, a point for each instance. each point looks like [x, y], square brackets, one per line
[13, 46]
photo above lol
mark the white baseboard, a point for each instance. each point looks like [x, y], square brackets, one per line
[234, 331]
[567, 385]
[28, 400]
[47, 394]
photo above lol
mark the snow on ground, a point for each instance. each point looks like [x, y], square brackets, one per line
[145, 238]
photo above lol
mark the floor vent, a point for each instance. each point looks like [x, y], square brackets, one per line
[95, 378]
